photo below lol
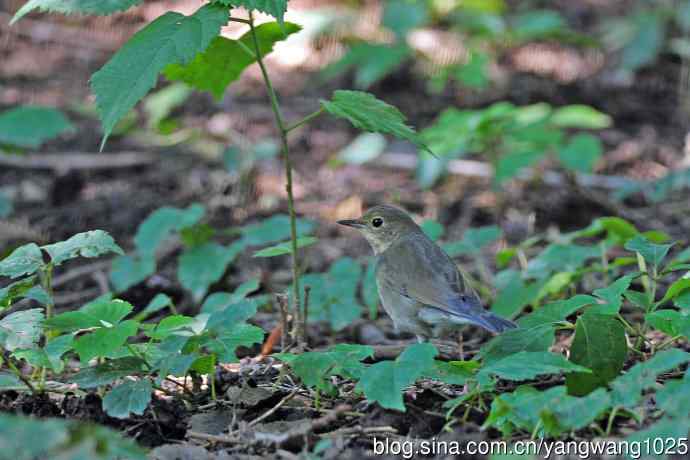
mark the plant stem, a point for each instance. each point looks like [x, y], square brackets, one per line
[288, 165]
[305, 120]
[19, 375]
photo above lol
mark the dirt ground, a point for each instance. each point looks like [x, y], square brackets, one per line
[48, 60]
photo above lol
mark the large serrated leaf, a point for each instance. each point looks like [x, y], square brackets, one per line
[599, 345]
[30, 126]
[87, 244]
[104, 340]
[171, 38]
[368, 113]
[528, 365]
[203, 265]
[275, 8]
[21, 329]
[384, 382]
[24, 260]
[224, 60]
[28, 438]
[130, 397]
[627, 388]
[108, 372]
[161, 223]
[16, 290]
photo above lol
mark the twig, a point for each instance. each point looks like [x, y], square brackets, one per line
[275, 106]
[225, 439]
[304, 342]
[63, 162]
[273, 409]
[281, 300]
[359, 430]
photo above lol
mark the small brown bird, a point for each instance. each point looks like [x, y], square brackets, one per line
[420, 286]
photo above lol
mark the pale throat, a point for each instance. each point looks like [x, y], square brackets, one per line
[378, 244]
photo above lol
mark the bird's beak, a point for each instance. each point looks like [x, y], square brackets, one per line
[356, 223]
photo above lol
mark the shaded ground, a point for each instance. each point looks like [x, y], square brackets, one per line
[648, 138]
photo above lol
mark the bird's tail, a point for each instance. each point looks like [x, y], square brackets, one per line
[492, 322]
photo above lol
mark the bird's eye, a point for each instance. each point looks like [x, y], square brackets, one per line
[377, 222]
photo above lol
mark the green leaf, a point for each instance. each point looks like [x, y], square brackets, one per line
[285, 248]
[556, 312]
[127, 271]
[104, 340]
[612, 296]
[510, 164]
[231, 337]
[670, 322]
[52, 438]
[528, 365]
[384, 382]
[431, 228]
[171, 38]
[158, 303]
[372, 62]
[402, 16]
[95, 7]
[161, 223]
[579, 116]
[224, 60]
[366, 112]
[88, 244]
[514, 293]
[275, 8]
[108, 372]
[474, 73]
[275, 228]
[98, 313]
[537, 338]
[169, 325]
[31, 126]
[16, 290]
[203, 265]
[176, 364]
[21, 329]
[473, 240]
[370, 290]
[233, 314]
[130, 397]
[159, 105]
[333, 295]
[538, 24]
[599, 345]
[561, 258]
[25, 260]
[664, 429]
[627, 389]
[646, 43]
[581, 153]
[49, 356]
[453, 372]
[364, 148]
[674, 397]
[547, 414]
[675, 289]
[652, 253]
[314, 368]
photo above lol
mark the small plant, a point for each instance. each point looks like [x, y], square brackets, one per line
[513, 138]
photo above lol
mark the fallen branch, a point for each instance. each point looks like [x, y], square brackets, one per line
[63, 162]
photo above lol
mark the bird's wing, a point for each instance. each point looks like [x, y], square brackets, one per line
[417, 268]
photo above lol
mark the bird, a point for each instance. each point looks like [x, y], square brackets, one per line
[419, 285]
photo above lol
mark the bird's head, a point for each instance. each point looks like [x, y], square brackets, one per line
[382, 226]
